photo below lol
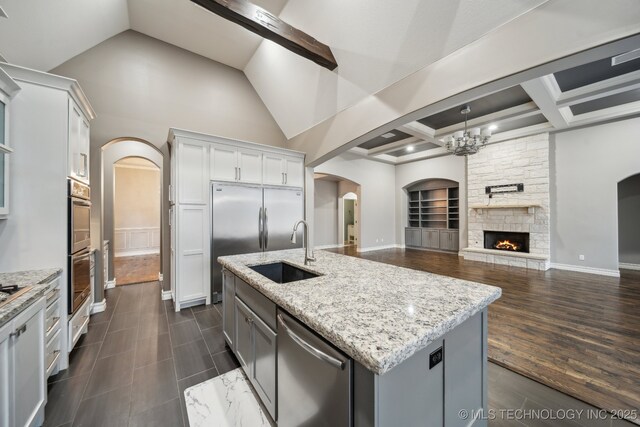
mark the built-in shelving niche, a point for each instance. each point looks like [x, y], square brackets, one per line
[434, 203]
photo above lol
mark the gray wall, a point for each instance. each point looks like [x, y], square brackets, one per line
[326, 212]
[140, 87]
[375, 197]
[586, 166]
[629, 220]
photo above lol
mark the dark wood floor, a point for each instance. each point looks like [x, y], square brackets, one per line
[577, 333]
[136, 269]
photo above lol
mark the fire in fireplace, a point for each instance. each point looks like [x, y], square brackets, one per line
[510, 241]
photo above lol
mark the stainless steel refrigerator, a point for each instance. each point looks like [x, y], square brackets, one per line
[250, 218]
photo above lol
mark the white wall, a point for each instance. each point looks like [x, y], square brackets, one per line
[326, 213]
[447, 167]
[301, 94]
[629, 220]
[587, 165]
[377, 195]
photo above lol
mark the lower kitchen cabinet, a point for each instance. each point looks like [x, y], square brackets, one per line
[228, 308]
[412, 236]
[449, 240]
[22, 352]
[255, 348]
[432, 238]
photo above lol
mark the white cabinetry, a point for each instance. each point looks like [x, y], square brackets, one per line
[283, 170]
[197, 160]
[22, 351]
[79, 143]
[190, 227]
[234, 164]
[8, 88]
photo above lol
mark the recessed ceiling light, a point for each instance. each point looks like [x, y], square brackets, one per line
[410, 148]
[389, 135]
[493, 127]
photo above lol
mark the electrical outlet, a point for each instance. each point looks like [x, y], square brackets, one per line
[581, 257]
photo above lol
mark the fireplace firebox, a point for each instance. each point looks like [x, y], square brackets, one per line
[509, 241]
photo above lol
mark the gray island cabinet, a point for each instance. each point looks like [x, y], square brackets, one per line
[358, 344]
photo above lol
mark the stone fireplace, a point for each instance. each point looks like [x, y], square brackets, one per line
[518, 219]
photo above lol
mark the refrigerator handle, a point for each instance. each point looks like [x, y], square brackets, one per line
[266, 229]
[260, 228]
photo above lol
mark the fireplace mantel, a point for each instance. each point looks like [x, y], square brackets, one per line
[531, 207]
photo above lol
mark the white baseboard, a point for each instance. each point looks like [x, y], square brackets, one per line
[328, 246]
[379, 248]
[591, 270]
[110, 284]
[138, 252]
[627, 266]
[98, 307]
[165, 295]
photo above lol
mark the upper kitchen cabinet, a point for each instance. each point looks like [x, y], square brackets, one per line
[229, 163]
[283, 170]
[8, 89]
[79, 143]
[66, 107]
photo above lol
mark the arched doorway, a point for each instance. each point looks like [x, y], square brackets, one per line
[337, 202]
[136, 218]
[117, 152]
[628, 227]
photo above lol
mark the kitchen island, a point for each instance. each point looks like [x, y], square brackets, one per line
[415, 342]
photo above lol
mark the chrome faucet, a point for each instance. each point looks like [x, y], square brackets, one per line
[308, 252]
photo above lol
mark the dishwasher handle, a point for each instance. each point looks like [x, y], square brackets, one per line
[309, 348]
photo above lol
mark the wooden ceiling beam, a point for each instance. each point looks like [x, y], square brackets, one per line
[263, 23]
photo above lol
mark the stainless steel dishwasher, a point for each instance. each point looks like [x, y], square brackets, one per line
[314, 378]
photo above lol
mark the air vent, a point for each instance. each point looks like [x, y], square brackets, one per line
[388, 135]
[625, 57]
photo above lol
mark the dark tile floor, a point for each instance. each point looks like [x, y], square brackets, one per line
[133, 365]
[139, 356]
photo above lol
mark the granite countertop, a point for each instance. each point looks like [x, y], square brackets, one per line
[379, 314]
[39, 282]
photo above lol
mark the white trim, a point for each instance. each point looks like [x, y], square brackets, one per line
[7, 84]
[591, 270]
[320, 247]
[110, 284]
[628, 266]
[137, 252]
[166, 295]
[160, 277]
[98, 307]
[153, 168]
[614, 85]
[379, 248]
[203, 137]
[53, 81]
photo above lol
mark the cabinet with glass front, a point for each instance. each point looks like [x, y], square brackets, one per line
[8, 88]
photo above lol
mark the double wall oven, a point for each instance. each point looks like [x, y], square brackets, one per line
[79, 266]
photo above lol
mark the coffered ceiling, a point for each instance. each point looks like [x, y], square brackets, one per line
[589, 93]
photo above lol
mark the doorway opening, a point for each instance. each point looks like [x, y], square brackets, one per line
[628, 227]
[137, 211]
[350, 201]
[336, 212]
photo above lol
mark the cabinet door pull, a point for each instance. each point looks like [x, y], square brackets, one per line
[282, 177]
[235, 175]
[21, 330]
[286, 178]
[239, 174]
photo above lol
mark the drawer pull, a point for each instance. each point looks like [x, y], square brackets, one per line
[53, 294]
[21, 330]
[53, 324]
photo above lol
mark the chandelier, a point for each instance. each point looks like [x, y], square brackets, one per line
[464, 143]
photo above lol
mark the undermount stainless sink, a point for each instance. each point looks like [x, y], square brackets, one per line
[281, 272]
